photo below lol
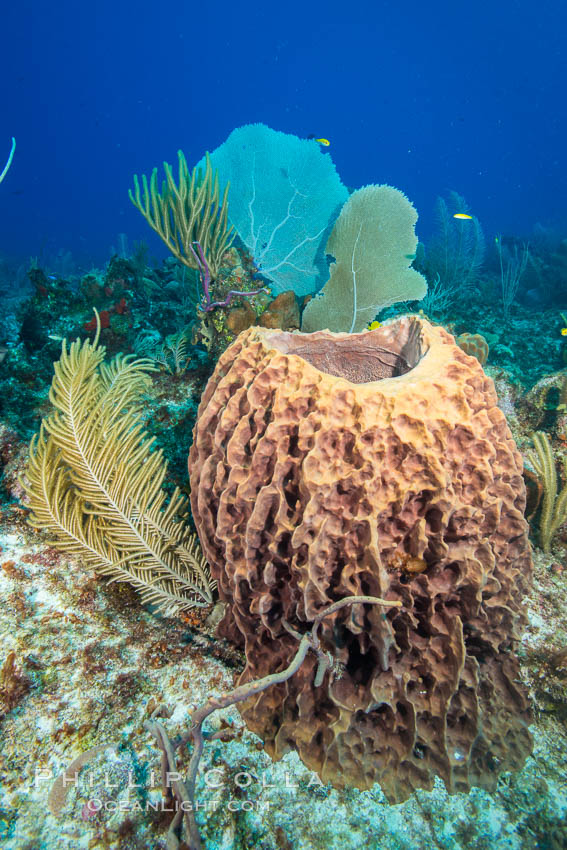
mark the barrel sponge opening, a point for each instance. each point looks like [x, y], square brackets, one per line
[387, 352]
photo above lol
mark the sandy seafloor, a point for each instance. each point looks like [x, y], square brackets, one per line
[96, 663]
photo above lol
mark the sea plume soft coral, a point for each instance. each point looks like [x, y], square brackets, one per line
[95, 483]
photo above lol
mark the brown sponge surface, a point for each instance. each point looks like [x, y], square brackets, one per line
[378, 463]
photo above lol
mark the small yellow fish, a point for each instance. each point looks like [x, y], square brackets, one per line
[462, 216]
[563, 331]
[373, 325]
[325, 142]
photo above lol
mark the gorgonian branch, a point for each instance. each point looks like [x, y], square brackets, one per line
[184, 791]
[205, 274]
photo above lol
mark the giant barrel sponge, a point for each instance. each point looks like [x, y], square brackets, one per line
[325, 465]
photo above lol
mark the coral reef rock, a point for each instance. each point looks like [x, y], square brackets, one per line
[282, 312]
[375, 463]
[241, 318]
[474, 344]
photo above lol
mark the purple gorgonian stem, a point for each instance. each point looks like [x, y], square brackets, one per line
[205, 274]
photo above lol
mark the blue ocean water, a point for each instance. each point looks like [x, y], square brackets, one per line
[428, 97]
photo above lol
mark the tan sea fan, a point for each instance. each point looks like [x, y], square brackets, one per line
[95, 481]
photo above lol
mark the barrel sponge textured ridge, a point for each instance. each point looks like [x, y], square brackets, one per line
[378, 463]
